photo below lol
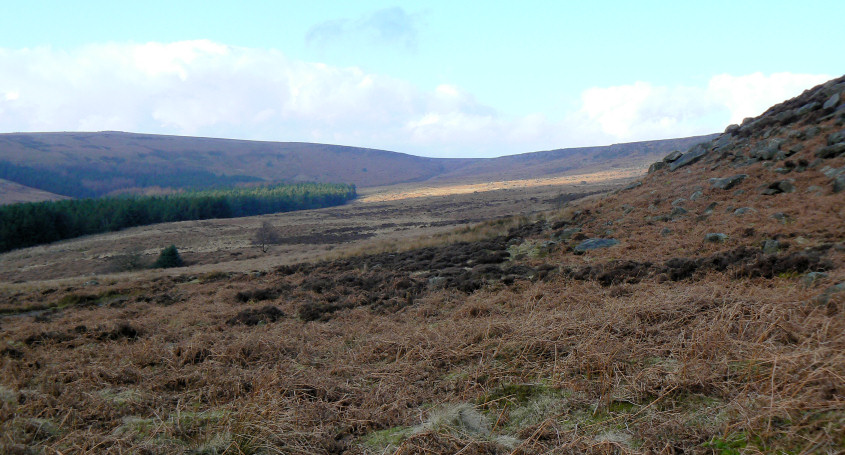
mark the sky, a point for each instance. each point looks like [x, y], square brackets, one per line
[432, 78]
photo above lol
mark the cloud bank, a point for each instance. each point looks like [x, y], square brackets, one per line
[211, 89]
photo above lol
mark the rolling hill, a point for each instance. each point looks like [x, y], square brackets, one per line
[94, 164]
[698, 310]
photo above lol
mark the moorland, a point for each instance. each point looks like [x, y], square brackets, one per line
[696, 309]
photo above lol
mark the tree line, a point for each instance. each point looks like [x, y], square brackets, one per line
[81, 182]
[35, 223]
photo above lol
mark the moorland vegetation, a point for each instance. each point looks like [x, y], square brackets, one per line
[699, 310]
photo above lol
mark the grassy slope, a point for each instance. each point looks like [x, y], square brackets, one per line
[495, 342]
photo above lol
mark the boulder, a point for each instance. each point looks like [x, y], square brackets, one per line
[831, 102]
[656, 166]
[672, 156]
[831, 151]
[767, 150]
[805, 109]
[839, 184]
[836, 138]
[695, 196]
[691, 156]
[716, 237]
[731, 128]
[727, 183]
[595, 243]
[782, 186]
[771, 246]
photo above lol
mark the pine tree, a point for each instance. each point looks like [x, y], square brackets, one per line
[169, 257]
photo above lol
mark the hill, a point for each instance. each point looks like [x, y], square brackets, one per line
[94, 164]
[698, 310]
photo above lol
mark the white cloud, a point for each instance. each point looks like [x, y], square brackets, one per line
[644, 111]
[210, 89]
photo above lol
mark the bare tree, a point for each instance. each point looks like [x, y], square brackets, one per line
[265, 236]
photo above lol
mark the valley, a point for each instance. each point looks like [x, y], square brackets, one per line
[696, 307]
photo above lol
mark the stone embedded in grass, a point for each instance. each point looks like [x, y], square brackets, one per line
[716, 237]
[831, 151]
[727, 183]
[811, 278]
[595, 243]
[839, 184]
[743, 211]
[781, 186]
[771, 246]
[824, 297]
[836, 138]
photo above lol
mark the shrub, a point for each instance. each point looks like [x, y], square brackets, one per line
[169, 257]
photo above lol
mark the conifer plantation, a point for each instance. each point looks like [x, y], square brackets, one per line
[28, 224]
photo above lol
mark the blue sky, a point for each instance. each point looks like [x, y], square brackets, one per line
[430, 78]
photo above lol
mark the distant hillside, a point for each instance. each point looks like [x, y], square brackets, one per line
[94, 164]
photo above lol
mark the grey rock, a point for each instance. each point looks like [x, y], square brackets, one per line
[691, 156]
[832, 172]
[678, 211]
[695, 196]
[787, 116]
[782, 186]
[665, 231]
[794, 149]
[824, 297]
[672, 156]
[632, 185]
[678, 201]
[436, 281]
[771, 246]
[835, 138]
[780, 216]
[811, 132]
[727, 183]
[782, 170]
[715, 237]
[839, 184]
[656, 166]
[831, 102]
[732, 128]
[767, 150]
[811, 278]
[567, 233]
[739, 192]
[596, 243]
[709, 209]
[807, 108]
[815, 189]
[744, 210]
[831, 151]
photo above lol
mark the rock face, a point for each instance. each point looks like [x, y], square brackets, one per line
[727, 183]
[596, 243]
